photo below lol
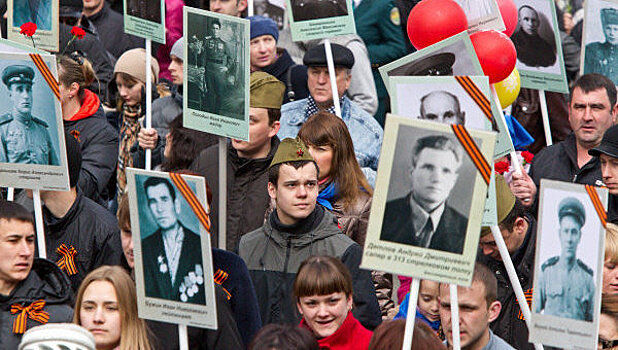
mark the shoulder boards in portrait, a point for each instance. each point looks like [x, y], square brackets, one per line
[5, 118]
[551, 261]
[39, 121]
[584, 267]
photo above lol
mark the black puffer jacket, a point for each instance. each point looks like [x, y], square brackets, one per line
[247, 193]
[45, 282]
[510, 324]
[99, 145]
[91, 230]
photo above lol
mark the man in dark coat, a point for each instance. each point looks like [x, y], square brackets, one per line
[423, 218]
[173, 267]
[247, 163]
[107, 22]
[518, 229]
[28, 286]
[80, 235]
[532, 50]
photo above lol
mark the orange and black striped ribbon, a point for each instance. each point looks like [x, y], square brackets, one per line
[194, 203]
[481, 100]
[528, 296]
[473, 151]
[34, 311]
[596, 202]
[67, 261]
[220, 277]
[47, 74]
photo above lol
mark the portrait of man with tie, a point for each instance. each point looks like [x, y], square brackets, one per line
[423, 218]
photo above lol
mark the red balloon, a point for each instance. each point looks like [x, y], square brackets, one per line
[508, 10]
[431, 21]
[496, 53]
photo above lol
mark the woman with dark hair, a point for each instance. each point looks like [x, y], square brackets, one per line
[344, 190]
[389, 335]
[283, 337]
[323, 292]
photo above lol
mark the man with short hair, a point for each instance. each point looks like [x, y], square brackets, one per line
[442, 107]
[565, 285]
[477, 308]
[602, 57]
[518, 229]
[607, 152]
[247, 163]
[295, 230]
[173, 251]
[532, 49]
[27, 284]
[365, 131]
[233, 8]
[592, 110]
[423, 218]
[24, 138]
[107, 22]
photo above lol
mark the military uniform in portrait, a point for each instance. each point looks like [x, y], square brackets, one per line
[24, 138]
[38, 12]
[602, 57]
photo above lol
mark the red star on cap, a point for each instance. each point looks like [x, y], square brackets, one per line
[300, 152]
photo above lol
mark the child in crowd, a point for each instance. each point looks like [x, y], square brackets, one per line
[427, 308]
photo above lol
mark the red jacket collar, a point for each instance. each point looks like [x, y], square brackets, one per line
[351, 335]
[90, 105]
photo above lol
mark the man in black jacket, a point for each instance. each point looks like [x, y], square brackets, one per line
[28, 287]
[247, 163]
[80, 235]
[592, 110]
[519, 232]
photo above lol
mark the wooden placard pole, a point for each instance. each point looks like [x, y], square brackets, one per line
[510, 270]
[38, 219]
[250, 7]
[455, 317]
[148, 98]
[411, 315]
[333, 76]
[10, 194]
[183, 337]
[545, 115]
[222, 192]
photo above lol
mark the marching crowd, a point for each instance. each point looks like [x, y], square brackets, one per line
[299, 194]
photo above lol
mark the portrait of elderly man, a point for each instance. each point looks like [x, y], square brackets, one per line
[423, 218]
[532, 49]
[442, 107]
[38, 12]
[23, 138]
[172, 256]
[602, 57]
[565, 286]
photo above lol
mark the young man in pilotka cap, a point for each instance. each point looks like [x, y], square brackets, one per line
[294, 231]
[247, 163]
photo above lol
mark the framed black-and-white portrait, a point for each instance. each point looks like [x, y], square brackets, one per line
[145, 19]
[43, 13]
[568, 265]
[319, 19]
[173, 263]
[32, 149]
[482, 15]
[273, 9]
[425, 220]
[600, 39]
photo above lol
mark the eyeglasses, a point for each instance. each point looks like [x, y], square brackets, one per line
[608, 344]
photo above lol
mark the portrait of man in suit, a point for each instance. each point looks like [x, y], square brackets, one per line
[172, 256]
[423, 218]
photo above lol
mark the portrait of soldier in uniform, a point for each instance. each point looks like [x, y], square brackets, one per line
[423, 218]
[24, 138]
[442, 107]
[270, 9]
[38, 12]
[532, 49]
[146, 9]
[304, 10]
[172, 255]
[565, 284]
[602, 57]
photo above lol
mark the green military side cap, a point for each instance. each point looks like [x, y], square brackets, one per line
[266, 91]
[505, 201]
[572, 206]
[291, 150]
[609, 16]
[17, 74]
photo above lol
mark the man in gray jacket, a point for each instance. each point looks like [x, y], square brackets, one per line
[294, 231]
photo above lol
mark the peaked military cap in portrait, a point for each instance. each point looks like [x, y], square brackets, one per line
[573, 207]
[17, 74]
[265, 91]
[435, 65]
[291, 150]
[316, 56]
[609, 16]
